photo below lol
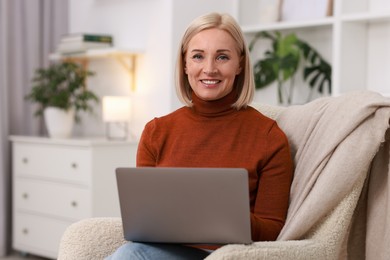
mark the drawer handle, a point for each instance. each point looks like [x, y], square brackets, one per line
[25, 160]
[25, 196]
[74, 165]
[25, 231]
[74, 204]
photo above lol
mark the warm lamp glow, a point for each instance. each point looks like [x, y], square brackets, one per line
[116, 109]
[116, 114]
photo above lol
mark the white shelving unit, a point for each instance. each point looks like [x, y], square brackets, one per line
[355, 40]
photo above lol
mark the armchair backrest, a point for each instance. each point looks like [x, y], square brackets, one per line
[268, 110]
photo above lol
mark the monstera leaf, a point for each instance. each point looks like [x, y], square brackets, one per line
[282, 61]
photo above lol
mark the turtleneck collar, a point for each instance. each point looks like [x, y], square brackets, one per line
[214, 108]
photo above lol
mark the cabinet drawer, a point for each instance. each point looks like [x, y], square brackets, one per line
[36, 234]
[51, 198]
[57, 162]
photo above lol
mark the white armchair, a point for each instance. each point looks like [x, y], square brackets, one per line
[327, 187]
[96, 238]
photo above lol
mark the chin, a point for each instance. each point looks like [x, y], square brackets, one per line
[209, 95]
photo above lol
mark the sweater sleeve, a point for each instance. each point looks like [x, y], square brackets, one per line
[275, 176]
[146, 154]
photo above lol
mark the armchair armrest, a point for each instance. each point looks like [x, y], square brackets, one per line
[275, 250]
[93, 238]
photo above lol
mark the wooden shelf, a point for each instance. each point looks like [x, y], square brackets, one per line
[127, 58]
[95, 54]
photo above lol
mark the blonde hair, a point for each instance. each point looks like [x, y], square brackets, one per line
[244, 83]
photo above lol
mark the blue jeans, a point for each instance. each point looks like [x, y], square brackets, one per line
[148, 251]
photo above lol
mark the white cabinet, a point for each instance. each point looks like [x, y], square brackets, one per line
[354, 40]
[59, 181]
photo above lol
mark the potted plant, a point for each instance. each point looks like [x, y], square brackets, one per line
[281, 63]
[61, 93]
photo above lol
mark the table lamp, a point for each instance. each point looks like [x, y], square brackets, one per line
[116, 115]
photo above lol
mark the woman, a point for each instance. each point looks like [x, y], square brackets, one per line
[217, 128]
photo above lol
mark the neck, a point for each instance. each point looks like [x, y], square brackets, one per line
[214, 108]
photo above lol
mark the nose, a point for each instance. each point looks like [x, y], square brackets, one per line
[210, 67]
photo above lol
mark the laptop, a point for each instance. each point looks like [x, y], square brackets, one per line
[185, 205]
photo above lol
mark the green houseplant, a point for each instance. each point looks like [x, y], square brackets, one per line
[62, 88]
[282, 61]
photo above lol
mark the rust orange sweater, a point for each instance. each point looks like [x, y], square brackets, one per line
[213, 134]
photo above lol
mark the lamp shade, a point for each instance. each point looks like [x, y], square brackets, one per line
[116, 108]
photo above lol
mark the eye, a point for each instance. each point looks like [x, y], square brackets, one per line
[197, 57]
[223, 57]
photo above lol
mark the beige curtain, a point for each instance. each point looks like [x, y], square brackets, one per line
[29, 31]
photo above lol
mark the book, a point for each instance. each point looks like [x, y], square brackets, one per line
[83, 37]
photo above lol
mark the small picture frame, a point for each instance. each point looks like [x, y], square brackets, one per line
[299, 10]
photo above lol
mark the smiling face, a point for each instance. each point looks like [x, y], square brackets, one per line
[212, 62]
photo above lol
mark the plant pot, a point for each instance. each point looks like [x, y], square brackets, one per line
[59, 122]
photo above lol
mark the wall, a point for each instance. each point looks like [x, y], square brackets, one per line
[152, 26]
[135, 25]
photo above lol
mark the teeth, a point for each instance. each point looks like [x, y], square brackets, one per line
[210, 81]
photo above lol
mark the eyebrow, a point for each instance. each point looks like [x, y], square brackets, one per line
[220, 50]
